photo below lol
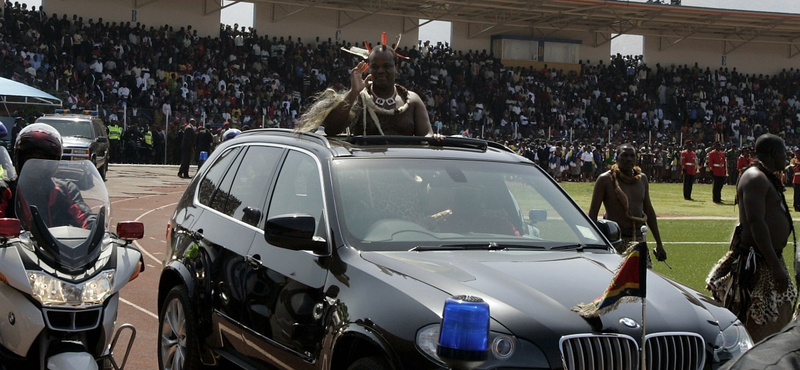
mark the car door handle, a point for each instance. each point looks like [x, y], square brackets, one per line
[254, 260]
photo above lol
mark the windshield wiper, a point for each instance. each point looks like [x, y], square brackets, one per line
[473, 246]
[578, 247]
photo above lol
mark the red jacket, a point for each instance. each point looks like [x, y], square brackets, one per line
[796, 176]
[742, 163]
[717, 164]
[689, 162]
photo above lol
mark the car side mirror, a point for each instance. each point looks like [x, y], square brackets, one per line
[611, 231]
[295, 232]
[102, 139]
[251, 215]
[537, 215]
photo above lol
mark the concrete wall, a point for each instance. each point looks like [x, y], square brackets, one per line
[461, 41]
[587, 50]
[750, 58]
[311, 23]
[176, 13]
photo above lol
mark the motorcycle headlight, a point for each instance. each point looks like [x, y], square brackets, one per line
[96, 290]
[50, 291]
[732, 341]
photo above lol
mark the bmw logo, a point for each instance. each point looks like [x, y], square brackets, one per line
[11, 318]
[629, 322]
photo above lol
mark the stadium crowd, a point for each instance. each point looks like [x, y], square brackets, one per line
[165, 76]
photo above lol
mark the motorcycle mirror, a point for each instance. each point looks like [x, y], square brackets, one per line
[130, 230]
[9, 227]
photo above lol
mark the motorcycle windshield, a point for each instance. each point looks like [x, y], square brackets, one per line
[65, 207]
[7, 172]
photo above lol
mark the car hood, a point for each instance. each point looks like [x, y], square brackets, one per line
[76, 142]
[533, 293]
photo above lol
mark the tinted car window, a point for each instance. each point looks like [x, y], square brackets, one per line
[251, 182]
[70, 127]
[100, 129]
[298, 189]
[397, 204]
[209, 186]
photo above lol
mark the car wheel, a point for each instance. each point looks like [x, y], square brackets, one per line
[370, 363]
[178, 347]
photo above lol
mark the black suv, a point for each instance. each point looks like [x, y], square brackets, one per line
[300, 251]
[85, 137]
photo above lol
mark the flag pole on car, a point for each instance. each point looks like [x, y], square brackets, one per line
[628, 285]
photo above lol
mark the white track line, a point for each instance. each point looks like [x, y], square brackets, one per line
[140, 308]
[145, 252]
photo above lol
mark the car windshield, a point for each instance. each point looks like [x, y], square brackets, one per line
[424, 204]
[69, 128]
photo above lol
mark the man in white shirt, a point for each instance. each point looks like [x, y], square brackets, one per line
[587, 168]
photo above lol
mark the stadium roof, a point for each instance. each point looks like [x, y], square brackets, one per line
[545, 18]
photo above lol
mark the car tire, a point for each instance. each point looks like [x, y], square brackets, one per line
[370, 363]
[178, 347]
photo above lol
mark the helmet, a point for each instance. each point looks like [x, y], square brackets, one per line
[230, 134]
[38, 140]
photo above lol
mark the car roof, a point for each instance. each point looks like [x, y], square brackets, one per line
[386, 146]
[68, 117]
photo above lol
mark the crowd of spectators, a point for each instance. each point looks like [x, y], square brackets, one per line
[169, 74]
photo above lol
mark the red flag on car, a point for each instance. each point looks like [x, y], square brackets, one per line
[628, 285]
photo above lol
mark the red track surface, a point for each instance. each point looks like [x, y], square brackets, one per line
[146, 194]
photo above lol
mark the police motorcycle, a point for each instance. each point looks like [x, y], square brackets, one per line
[61, 270]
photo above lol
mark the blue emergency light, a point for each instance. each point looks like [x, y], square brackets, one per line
[464, 334]
[90, 112]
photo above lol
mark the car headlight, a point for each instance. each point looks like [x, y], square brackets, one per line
[50, 291]
[731, 342]
[427, 340]
[502, 345]
[84, 152]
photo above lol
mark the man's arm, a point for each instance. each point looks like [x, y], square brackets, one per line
[652, 222]
[339, 118]
[422, 123]
[598, 196]
[683, 161]
[78, 209]
[755, 187]
[5, 199]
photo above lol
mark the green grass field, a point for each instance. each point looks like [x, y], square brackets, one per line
[695, 233]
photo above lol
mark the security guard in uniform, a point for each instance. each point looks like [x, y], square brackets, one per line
[689, 168]
[114, 136]
[148, 142]
[718, 166]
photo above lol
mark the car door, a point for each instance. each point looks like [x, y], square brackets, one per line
[101, 143]
[285, 307]
[228, 224]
